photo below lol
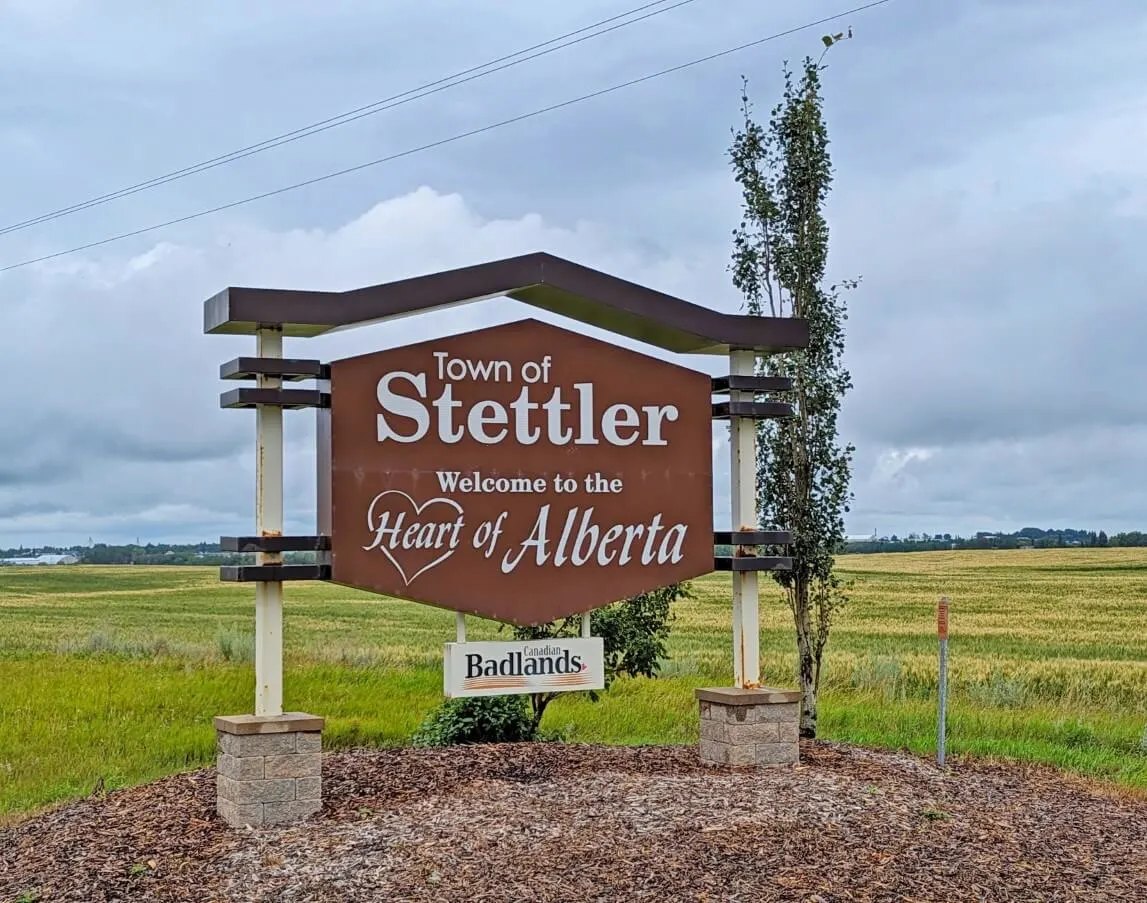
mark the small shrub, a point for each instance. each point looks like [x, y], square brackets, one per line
[999, 690]
[882, 674]
[477, 719]
[101, 644]
[235, 645]
[98, 644]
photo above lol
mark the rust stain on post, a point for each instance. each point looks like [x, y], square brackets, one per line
[745, 551]
[942, 618]
[741, 682]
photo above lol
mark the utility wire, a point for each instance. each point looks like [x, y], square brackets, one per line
[444, 141]
[379, 106]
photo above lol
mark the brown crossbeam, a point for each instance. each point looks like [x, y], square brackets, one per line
[274, 544]
[273, 573]
[292, 369]
[752, 563]
[756, 410]
[283, 398]
[755, 384]
[752, 538]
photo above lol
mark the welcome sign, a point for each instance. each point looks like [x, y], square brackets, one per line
[523, 473]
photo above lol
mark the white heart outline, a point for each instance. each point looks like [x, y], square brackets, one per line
[418, 509]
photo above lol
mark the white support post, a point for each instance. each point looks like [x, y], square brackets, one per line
[269, 522]
[460, 626]
[743, 471]
[586, 622]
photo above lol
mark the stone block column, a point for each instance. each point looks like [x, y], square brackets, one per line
[749, 727]
[269, 768]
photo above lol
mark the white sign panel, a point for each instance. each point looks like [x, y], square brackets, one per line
[529, 666]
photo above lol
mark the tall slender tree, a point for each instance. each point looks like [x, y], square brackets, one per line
[780, 251]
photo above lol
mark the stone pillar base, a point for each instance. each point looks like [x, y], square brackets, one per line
[749, 727]
[269, 768]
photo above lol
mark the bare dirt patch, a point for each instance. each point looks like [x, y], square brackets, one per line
[555, 822]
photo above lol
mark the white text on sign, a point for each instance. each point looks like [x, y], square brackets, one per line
[561, 419]
[592, 483]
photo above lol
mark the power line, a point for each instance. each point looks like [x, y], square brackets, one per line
[444, 141]
[379, 106]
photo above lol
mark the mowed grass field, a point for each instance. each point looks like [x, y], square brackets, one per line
[112, 674]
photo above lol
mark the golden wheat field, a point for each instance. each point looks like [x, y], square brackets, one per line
[1067, 626]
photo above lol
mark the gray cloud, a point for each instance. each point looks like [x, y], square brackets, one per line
[124, 446]
[23, 510]
[989, 189]
[35, 472]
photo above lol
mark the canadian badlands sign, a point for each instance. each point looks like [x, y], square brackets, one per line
[523, 473]
[533, 666]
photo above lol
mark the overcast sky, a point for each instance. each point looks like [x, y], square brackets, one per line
[990, 191]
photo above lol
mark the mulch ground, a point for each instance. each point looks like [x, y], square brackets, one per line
[554, 822]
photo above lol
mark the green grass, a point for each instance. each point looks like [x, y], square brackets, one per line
[113, 674]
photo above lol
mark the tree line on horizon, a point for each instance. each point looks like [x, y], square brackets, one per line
[203, 553]
[1028, 537]
[209, 554]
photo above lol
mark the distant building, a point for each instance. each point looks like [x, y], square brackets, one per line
[40, 560]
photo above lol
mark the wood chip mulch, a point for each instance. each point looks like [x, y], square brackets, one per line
[555, 822]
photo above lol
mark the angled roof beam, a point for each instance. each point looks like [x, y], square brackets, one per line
[541, 280]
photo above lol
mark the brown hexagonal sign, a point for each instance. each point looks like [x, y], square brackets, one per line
[522, 473]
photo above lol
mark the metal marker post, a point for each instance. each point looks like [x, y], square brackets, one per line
[586, 622]
[942, 631]
[269, 522]
[743, 472]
